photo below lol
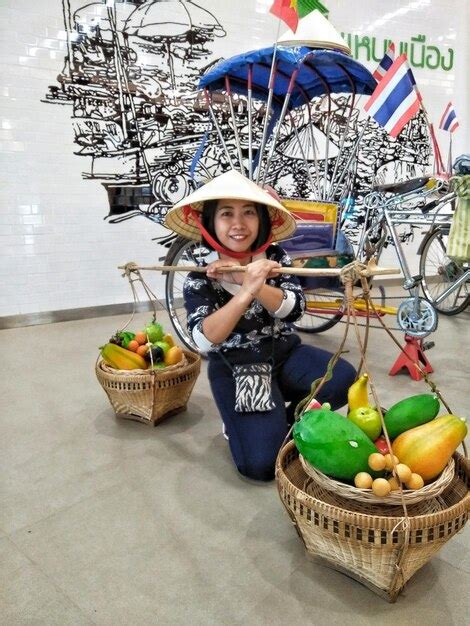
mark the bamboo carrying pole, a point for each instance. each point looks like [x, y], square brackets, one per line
[370, 270]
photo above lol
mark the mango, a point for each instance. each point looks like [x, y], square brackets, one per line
[427, 449]
[410, 412]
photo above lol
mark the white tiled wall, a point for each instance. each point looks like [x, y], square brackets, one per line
[56, 251]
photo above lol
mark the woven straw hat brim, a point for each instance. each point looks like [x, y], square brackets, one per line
[175, 221]
[235, 186]
[315, 31]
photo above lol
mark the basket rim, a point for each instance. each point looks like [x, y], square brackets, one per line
[355, 518]
[193, 361]
[411, 496]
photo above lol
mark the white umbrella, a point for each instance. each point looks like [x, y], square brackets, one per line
[95, 14]
[158, 20]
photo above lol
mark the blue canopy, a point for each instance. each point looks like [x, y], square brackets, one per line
[319, 72]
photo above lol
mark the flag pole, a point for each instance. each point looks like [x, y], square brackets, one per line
[449, 161]
[437, 153]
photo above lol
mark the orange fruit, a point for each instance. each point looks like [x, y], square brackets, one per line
[173, 356]
[404, 472]
[415, 482]
[376, 461]
[389, 462]
[381, 487]
[141, 338]
[142, 350]
[363, 480]
[132, 345]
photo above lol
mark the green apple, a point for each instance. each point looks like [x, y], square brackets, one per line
[163, 345]
[368, 420]
[154, 331]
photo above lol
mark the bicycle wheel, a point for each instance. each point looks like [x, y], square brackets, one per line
[324, 308]
[439, 273]
[182, 252]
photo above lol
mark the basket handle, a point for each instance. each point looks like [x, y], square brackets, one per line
[133, 275]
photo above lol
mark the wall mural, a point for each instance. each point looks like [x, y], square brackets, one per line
[131, 74]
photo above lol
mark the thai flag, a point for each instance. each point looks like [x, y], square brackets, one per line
[449, 119]
[385, 63]
[413, 80]
[395, 100]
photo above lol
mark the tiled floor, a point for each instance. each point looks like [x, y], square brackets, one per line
[107, 521]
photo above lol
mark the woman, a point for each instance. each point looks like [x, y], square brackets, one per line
[241, 318]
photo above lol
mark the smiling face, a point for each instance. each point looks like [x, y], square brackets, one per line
[236, 224]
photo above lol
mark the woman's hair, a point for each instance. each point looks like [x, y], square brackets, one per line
[208, 218]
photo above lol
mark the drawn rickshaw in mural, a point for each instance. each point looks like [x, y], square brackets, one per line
[298, 87]
[131, 76]
[128, 65]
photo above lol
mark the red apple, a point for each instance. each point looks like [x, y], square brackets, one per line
[381, 445]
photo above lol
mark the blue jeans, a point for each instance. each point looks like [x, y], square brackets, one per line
[255, 438]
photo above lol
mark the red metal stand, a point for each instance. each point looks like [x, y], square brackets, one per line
[413, 352]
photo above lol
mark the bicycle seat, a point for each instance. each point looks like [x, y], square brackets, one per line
[403, 186]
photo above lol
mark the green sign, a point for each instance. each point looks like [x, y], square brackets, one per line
[365, 48]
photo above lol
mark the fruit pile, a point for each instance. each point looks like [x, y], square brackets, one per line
[149, 348]
[353, 449]
[383, 486]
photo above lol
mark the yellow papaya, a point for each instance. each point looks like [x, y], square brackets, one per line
[427, 449]
[122, 359]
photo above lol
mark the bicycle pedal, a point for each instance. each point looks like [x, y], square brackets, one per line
[427, 345]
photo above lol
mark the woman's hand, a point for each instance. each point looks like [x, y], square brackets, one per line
[256, 274]
[213, 272]
[218, 326]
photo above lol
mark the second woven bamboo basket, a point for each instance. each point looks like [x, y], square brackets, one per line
[369, 542]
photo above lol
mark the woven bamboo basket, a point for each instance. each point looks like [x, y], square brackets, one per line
[394, 498]
[150, 396]
[374, 544]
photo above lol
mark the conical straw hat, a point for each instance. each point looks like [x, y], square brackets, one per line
[231, 185]
[315, 31]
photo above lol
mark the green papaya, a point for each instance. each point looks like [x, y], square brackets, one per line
[333, 444]
[411, 412]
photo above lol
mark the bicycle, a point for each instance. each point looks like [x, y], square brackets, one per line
[443, 280]
[411, 203]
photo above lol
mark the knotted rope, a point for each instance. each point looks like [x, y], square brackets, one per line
[133, 275]
[351, 274]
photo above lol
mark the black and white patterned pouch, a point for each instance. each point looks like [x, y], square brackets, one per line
[253, 389]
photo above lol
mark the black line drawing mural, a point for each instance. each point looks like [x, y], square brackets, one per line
[131, 74]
